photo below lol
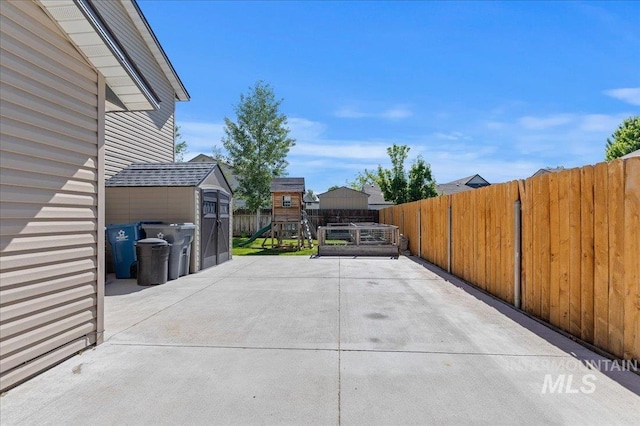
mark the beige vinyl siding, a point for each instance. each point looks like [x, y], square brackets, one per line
[49, 172]
[344, 198]
[133, 204]
[141, 136]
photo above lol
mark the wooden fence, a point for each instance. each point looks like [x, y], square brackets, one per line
[244, 221]
[574, 260]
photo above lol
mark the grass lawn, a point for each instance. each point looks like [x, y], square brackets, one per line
[256, 249]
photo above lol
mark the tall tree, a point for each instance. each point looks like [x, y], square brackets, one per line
[257, 144]
[362, 179]
[399, 188]
[624, 140]
[421, 182]
[393, 182]
[179, 145]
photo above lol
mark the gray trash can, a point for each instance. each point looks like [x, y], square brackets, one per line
[153, 261]
[180, 236]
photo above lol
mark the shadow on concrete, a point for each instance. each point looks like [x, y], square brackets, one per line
[609, 365]
[119, 287]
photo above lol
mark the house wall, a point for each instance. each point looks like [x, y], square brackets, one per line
[280, 213]
[343, 198]
[52, 240]
[142, 136]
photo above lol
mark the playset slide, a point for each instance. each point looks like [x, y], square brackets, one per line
[256, 235]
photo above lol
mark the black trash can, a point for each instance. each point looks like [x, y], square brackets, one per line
[153, 261]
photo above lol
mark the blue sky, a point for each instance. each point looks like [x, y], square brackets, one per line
[496, 88]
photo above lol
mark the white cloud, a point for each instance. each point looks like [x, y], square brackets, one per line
[451, 136]
[348, 112]
[601, 122]
[303, 129]
[201, 136]
[396, 112]
[341, 149]
[541, 123]
[629, 95]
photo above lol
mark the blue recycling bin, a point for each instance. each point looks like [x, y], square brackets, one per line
[122, 238]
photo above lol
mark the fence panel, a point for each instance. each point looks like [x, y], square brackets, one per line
[580, 240]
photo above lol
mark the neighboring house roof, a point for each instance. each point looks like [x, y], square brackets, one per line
[162, 174]
[548, 170]
[465, 184]
[202, 158]
[375, 195]
[344, 189]
[310, 199]
[227, 170]
[635, 153]
[287, 184]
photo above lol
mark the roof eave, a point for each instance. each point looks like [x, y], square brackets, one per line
[87, 31]
[141, 23]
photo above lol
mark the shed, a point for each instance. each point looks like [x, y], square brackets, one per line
[344, 198]
[176, 193]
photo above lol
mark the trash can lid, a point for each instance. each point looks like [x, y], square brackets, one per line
[186, 225]
[153, 241]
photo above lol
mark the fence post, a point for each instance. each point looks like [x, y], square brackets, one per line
[419, 232]
[449, 239]
[517, 259]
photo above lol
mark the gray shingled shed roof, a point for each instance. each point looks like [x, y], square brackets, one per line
[287, 184]
[162, 174]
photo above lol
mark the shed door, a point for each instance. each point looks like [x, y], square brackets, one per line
[209, 228]
[224, 242]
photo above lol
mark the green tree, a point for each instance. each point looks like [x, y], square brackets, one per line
[331, 188]
[179, 145]
[421, 182]
[624, 140]
[362, 179]
[257, 144]
[393, 182]
[399, 187]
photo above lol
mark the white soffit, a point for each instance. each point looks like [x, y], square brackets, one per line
[85, 29]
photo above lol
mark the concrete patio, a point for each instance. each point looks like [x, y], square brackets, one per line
[293, 340]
